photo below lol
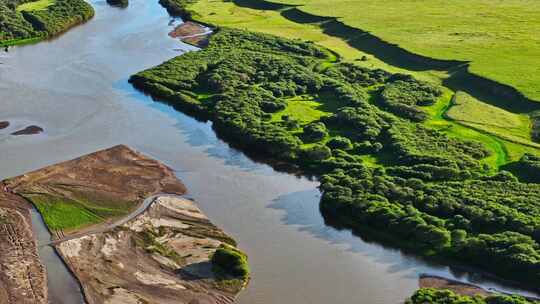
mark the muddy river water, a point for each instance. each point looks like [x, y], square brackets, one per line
[75, 87]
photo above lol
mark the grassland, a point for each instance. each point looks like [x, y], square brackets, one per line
[505, 144]
[35, 6]
[498, 38]
[68, 214]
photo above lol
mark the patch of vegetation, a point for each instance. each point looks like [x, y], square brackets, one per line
[527, 168]
[438, 296]
[469, 111]
[25, 21]
[147, 239]
[424, 188]
[230, 267]
[177, 7]
[535, 125]
[405, 96]
[67, 214]
[35, 6]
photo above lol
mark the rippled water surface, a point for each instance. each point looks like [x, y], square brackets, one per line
[75, 87]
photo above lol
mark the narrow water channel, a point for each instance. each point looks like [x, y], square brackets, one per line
[63, 287]
[76, 88]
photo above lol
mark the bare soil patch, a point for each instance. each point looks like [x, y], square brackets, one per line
[22, 276]
[192, 33]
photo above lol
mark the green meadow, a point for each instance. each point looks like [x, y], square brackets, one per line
[472, 118]
[499, 39]
[35, 6]
[68, 214]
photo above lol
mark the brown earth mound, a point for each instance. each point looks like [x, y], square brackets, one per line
[461, 288]
[22, 276]
[192, 33]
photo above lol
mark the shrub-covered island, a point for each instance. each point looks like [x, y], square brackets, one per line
[27, 21]
[382, 171]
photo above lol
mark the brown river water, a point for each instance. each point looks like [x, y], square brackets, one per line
[75, 87]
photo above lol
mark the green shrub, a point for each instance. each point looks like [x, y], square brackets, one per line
[231, 261]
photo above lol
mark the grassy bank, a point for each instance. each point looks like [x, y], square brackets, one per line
[29, 22]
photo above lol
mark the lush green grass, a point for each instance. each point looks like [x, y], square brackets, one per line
[226, 13]
[504, 146]
[490, 119]
[306, 108]
[498, 38]
[67, 214]
[35, 6]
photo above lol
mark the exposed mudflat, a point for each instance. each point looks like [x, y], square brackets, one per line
[456, 286]
[192, 33]
[22, 276]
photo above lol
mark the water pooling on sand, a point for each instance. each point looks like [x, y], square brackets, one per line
[75, 87]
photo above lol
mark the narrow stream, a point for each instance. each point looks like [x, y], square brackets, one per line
[63, 287]
[76, 88]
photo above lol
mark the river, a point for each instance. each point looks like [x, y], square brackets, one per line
[76, 88]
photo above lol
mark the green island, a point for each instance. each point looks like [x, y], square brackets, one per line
[402, 157]
[23, 22]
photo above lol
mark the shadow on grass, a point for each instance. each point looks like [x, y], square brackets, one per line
[461, 79]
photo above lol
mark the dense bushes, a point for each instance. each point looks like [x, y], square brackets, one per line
[435, 296]
[62, 14]
[404, 95]
[12, 24]
[177, 7]
[429, 192]
[527, 168]
[230, 262]
[314, 132]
